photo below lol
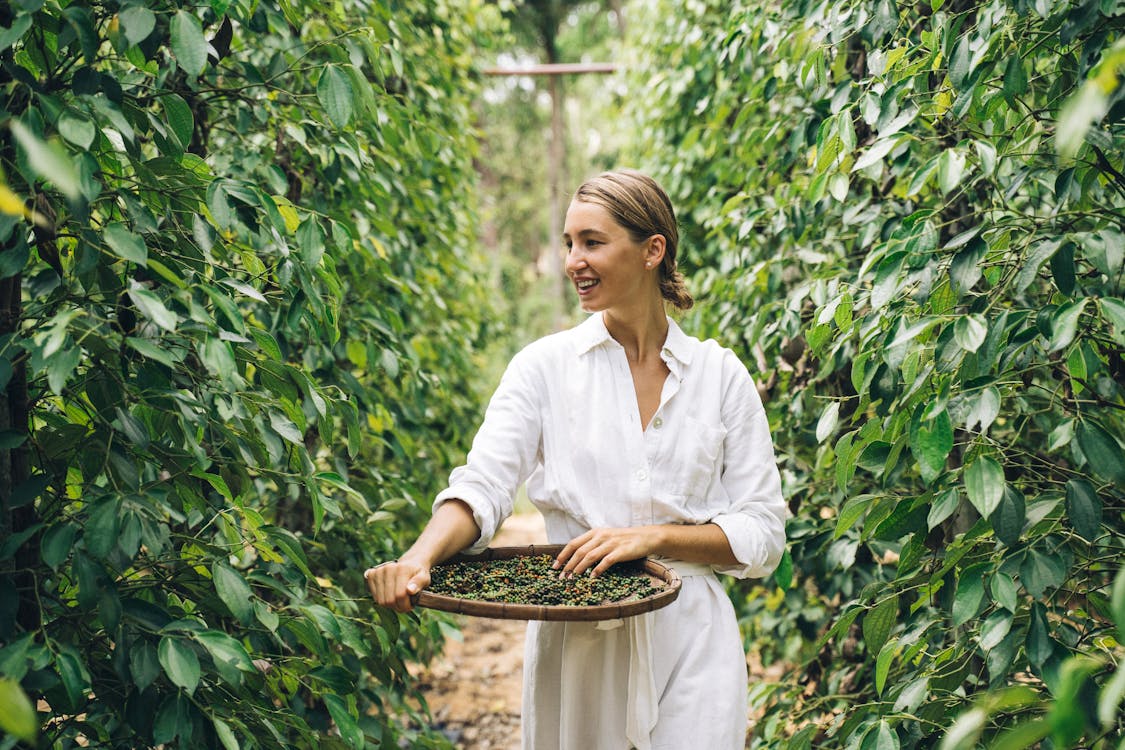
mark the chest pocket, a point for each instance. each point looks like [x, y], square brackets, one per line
[697, 458]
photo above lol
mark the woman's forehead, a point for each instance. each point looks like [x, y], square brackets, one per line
[583, 217]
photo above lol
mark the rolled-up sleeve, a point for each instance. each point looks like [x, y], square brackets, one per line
[503, 453]
[754, 523]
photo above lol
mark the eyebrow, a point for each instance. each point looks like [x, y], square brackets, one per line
[586, 232]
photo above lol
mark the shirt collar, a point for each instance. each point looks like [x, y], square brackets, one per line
[676, 352]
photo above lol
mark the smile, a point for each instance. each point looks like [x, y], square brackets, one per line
[586, 283]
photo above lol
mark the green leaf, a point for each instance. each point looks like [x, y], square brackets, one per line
[19, 27]
[180, 662]
[345, 721]
[852, 511]
[48, 160]
[73, 675]
[224, 733]
[826, 425]
[995, 629]
[18, 718]
[1008, 519]
[951, 169]
[984, 482]
[1117, 604]
[783, 575]
[1039, 646]
[125, 244]
[930, 442]
[1062, 268]
[78, 129]
[970, 332]
[964, 270]
[1004, 591]
[334, 89]
[218, 357]
[1042, 252]
[1102, 451]
[1064, 324]
[153, 308]
[970, 593]
[944, 506]
[100, 532]
[188, 43]
[1114, 311]
[1083, 508]
[235, 592]
[226, 652]
[179, 117]
[881, 737]
[144, 665]
[1015, 79]
[56, 543]
[1041, 571]
[877, 624]
[883, 663]
[875, 154]
[137, 22]
[965, 730]
[284, 427]
[1110, 698]
[1083, 109]
[913, 695]
[985, 410]
[152, 351]
[173, 720]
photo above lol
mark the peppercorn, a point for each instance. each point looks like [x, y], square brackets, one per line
[530, 579]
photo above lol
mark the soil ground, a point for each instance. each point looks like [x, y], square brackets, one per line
[474, 688]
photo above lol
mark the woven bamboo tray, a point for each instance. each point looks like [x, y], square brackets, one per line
[666, 588]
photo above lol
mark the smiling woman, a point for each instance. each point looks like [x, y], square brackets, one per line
[635, 440]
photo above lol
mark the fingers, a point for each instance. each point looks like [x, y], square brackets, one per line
[596, 551]
[392, 584]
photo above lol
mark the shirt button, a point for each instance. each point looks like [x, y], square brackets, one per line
[657, 423]
[641, 475]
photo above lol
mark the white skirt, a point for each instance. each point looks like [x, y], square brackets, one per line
[667, 680]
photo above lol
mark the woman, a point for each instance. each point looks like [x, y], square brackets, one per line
[634, 440]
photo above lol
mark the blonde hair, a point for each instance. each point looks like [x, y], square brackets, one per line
[642, 208]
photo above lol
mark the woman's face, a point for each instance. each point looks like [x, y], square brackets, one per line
[606, 266]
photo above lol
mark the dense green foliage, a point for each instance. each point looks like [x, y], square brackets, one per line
[910, 220]
[241, 316]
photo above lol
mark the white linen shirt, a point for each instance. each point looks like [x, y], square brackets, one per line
[565, 419]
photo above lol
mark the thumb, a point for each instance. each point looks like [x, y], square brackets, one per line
[417, 583]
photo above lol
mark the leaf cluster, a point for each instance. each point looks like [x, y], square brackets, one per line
[907, 218]
[240, 338]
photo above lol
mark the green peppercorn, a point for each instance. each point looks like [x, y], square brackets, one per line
[530, 579]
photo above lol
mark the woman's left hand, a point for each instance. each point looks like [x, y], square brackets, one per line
[601, 548]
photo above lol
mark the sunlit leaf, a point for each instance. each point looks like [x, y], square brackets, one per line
[18, 718]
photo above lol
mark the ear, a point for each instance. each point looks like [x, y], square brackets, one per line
[654, 250]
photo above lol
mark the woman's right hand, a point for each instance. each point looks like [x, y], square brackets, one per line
[393, 583]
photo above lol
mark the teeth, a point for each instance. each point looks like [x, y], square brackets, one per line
[586, 284]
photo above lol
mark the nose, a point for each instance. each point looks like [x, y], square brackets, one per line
[575, 261]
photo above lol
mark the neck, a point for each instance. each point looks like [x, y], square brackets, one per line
[641, 332]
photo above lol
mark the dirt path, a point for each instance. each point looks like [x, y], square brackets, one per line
[474, 689]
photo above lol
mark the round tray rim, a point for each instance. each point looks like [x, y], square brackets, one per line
[556, 613]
